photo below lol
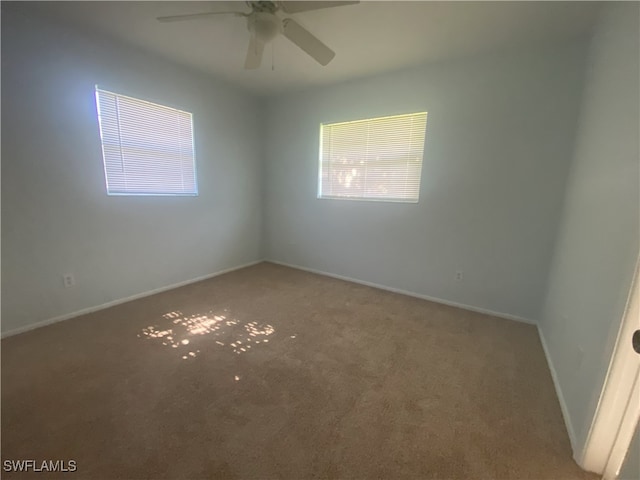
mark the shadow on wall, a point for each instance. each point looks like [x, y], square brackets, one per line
[178, 330]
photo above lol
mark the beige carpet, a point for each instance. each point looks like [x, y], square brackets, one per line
[270, 372]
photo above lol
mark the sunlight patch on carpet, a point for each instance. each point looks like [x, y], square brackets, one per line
[179, 331]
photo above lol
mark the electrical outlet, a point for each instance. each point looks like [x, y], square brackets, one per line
[459, 276]
[69, 280]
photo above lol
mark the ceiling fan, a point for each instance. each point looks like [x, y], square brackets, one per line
[265, 21]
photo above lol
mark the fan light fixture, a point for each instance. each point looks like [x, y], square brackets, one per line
[265, 22]
[264, 26]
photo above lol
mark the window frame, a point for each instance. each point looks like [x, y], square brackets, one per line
[195, 193]
[320, 196]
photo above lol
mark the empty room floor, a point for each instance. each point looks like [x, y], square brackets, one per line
[270, 372]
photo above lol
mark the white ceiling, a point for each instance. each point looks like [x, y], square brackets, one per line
[369, 38]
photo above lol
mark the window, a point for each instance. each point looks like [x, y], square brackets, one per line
[147, 148]
[374, 159]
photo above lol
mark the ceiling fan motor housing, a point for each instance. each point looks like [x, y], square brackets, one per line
[263, 6]
[265, 26]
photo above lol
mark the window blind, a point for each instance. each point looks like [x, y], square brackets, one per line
[373, 159]
[147, 148]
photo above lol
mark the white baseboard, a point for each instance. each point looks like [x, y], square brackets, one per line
[113, 303]
[563, 403]
[506, 316]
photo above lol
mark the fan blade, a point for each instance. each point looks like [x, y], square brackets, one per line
[193, 16]
[254, 53]
[307, 42]
[295, 7]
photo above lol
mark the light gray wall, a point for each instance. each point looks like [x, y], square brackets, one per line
[598, 241]
[499, 139]
[56, 216]
[631, 467]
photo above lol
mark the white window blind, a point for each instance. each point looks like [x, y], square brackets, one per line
[374, 159]
[147, 148]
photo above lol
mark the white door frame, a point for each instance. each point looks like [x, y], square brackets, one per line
[618, 409]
